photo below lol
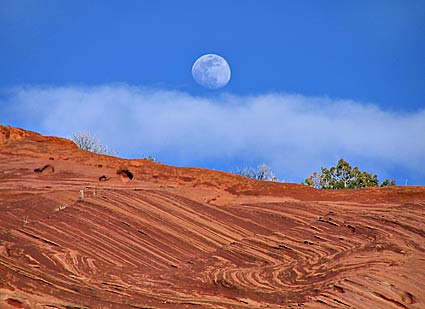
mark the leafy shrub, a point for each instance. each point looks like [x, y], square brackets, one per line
[343, 176]
[150, 158]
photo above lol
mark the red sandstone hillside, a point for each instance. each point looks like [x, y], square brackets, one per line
[147, 235]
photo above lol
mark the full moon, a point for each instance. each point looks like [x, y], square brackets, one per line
[211, 71]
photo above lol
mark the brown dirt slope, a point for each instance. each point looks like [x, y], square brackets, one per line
[80, 230]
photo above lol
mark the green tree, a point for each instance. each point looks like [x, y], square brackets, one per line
[388, 183]
[343, 176]
[314, 180]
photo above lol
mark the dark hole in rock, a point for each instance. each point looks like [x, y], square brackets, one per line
[14, 303]
[99, 165]
[46, 168]
[409, 298]
[125, 173]
[51, 158]
[104, 178]
[338, 289]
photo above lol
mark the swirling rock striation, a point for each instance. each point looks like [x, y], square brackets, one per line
[188, 238]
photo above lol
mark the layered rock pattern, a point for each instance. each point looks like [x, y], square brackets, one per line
[80, 233]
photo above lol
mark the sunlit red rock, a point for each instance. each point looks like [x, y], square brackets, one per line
[80, 230]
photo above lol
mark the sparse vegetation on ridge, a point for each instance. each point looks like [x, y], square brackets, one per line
[85, 141]
[261, 172]
[150, 158]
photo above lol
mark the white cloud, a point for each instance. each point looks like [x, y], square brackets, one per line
[294, 134]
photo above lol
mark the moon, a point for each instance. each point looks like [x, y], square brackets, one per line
[211, 71]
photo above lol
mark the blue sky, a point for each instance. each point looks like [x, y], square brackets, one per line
[312, 81]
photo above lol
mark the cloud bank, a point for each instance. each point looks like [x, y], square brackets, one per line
[293, 134]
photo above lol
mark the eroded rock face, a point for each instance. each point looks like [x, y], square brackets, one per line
[19, 142]
[181, 238]
[9, 134]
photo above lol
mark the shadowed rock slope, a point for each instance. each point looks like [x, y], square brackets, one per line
[80, 230]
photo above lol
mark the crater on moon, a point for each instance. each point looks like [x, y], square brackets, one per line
[211, 71]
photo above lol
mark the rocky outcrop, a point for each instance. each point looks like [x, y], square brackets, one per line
[182, 238]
